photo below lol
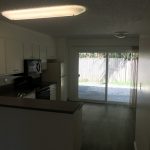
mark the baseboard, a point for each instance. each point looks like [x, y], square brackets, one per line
[135, 146]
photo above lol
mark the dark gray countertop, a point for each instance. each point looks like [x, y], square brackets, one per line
[40, 105]
[9, 90]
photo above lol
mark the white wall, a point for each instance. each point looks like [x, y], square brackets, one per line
[143, 103]
[131, 41]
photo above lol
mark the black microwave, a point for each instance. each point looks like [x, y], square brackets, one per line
[32, 67]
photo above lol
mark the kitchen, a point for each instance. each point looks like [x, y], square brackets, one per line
[34, 120]
[60, 121]
[16, 54]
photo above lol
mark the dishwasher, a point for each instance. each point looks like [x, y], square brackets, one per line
[46, 92]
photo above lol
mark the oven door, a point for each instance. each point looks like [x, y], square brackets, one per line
[43, 93]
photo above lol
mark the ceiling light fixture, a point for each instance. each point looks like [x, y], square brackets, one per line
[120, 35]
[44, 12]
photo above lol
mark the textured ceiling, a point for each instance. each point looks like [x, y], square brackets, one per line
[103, 17]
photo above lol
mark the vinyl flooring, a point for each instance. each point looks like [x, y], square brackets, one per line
[108, 127]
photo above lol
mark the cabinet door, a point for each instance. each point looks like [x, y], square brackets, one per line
[43, 52]
[51, 52]
[27, 51]
[14, 57]
[36, 51]
[2, 57]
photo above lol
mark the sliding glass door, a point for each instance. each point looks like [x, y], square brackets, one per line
[106, 77]
[119, 77]
[92, 76]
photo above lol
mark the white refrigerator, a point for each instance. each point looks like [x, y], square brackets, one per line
[56, 73]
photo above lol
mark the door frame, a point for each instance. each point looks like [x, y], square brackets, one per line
[74, 56]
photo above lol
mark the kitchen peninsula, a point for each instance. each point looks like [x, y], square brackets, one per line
[39, 124]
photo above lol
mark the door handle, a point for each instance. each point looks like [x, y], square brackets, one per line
[78, 75]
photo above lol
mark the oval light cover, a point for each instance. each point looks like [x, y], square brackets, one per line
[44, 12]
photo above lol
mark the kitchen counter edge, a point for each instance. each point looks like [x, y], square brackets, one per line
[68, 107]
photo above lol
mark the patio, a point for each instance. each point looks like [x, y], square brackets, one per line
[97, 92]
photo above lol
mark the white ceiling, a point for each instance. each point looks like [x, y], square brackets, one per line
[103, 17]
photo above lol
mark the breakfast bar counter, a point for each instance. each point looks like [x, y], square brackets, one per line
[41, 105]
[30, 124]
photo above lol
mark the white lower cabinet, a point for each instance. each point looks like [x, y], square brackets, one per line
[14, 57]
[2, 57]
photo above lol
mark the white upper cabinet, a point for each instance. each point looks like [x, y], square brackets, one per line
[14, 57]
[27, 51]
[43, 52]
[51, 52]
[2, 57]
[36, 51]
